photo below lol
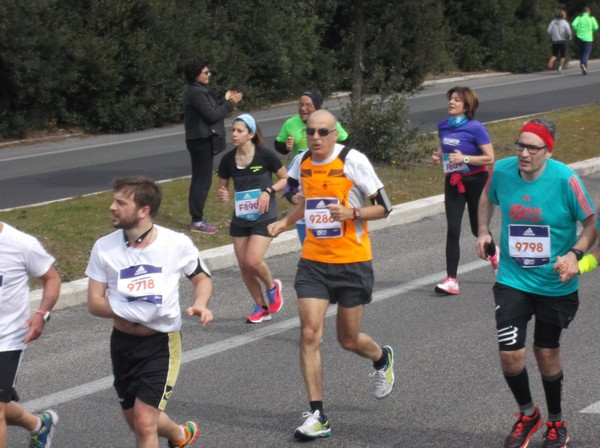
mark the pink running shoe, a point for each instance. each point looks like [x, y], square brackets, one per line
[275, 297]
[448, 286]
[258, 315]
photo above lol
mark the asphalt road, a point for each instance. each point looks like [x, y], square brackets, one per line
[50, 171]
[242, 383]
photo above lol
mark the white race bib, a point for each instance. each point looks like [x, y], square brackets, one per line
[318, 218]
[143, 282]
[451, 167]
[529, 245]
[246, 205]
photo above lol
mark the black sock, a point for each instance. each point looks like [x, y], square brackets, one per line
[381, 363]
[316, 406]
[553, 391]
[519, 386]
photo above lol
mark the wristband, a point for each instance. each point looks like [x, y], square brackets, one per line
[45, 315]
[270, 191]
[587, 264]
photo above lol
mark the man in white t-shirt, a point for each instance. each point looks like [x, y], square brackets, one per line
[22, 256]
[134, 277]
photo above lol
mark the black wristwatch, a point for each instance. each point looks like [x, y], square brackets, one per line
[270, 190]
[578, 253]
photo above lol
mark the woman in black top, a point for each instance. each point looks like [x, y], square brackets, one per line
[204, 113]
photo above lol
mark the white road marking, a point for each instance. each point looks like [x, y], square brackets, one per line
[215, 348]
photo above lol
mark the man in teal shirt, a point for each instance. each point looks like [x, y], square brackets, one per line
[584, 26]
[541, 201]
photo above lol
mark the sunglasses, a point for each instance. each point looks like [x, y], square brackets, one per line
[531, 149]
[205, 72]
[321, 132]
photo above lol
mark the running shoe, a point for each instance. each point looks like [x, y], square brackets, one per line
[315, 426]
[583, 69]
[191, 431]
[494, 259]
[258, 315]
[556, 435]
[523, 429]
[448, 286]
[275, 297]
[203, 227]
[383, 380]
[43, 438]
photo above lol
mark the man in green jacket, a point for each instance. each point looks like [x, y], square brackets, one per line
[584, 26]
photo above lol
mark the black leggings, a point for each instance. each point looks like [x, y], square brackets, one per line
[202, 168]
[455, 208]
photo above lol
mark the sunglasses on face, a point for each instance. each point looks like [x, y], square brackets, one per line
[531, 149]
[321, 132]
[205, 72]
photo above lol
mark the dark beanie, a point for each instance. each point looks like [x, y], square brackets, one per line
[315, 97]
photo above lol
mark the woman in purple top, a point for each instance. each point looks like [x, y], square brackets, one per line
[465, 152]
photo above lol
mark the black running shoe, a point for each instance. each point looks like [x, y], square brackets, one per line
[523, 429]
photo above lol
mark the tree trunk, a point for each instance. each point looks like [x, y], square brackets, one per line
[357, 62]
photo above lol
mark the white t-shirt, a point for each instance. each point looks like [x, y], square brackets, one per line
[143, 284]
[357, 168]
[21, 256]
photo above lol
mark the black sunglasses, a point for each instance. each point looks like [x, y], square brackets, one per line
[531, 149]
[321, 132]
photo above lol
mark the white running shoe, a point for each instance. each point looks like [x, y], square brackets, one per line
[315, 426]
[383, 380]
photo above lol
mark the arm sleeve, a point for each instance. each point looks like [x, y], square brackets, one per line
[280, 147]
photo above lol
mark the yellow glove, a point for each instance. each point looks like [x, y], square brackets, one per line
[587, 264]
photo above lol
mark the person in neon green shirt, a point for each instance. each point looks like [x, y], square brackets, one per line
[292, 137]
[584, 26]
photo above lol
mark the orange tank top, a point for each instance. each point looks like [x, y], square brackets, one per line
[329, 241]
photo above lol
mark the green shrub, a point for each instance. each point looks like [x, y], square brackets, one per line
[382, 130]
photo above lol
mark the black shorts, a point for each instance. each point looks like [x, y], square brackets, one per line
[9, 366]
[512, 303]
[258, 228]
[559, 49]
[145, 368]
[348, 285]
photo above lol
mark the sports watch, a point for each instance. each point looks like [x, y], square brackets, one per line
[466, 159]
[355, 214]
[578, 253]
[45, 315]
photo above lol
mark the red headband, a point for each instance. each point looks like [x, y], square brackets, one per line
[541, 131]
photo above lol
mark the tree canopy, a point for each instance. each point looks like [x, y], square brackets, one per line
[114, 66]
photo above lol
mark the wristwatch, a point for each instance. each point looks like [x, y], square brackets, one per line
[578, 253]
[45, 315]
[355, 214]
[466, 160]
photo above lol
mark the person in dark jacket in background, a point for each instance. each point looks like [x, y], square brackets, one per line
[204, 113]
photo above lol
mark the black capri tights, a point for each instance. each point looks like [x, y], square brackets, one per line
[455, 207]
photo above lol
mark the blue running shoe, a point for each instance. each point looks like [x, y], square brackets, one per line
[43, 438]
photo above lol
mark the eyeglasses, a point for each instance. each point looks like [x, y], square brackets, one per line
[205, 72]
[531, 149]
[321, 132]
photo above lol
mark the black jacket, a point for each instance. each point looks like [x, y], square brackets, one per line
[203, 111]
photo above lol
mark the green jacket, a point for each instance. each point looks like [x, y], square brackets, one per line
[585, 26]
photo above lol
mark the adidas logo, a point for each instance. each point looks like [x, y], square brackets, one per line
[526, 198]
[140, 271]
[529, 232]
[321, 204]
[247, 196]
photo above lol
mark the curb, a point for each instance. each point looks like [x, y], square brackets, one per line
[75, 292]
